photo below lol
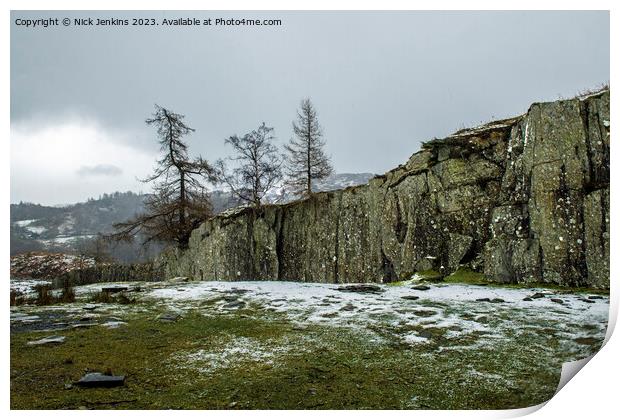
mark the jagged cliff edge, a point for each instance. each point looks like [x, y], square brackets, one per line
[521, 200]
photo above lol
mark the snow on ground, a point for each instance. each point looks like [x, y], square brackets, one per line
[26, 286]
[235, 350]
[24, 223]
[453, 307]
[36, 229]
[65, 239]
[397, 313]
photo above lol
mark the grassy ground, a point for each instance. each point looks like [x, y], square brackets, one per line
[318, 367]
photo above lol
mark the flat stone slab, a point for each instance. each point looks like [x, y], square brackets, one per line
[52, 339]
[99, 380]
[421, 287]
[410, 297]
[84, 325]
[494, 300]
[360, 288]
[237, 304]
[169, 317]
[113, 289]
[90, 307]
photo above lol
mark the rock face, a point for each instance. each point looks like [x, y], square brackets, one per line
[522, 200]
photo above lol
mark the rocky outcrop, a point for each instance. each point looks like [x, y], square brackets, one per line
[522, 200]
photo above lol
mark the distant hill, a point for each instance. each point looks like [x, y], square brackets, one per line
[74, 228]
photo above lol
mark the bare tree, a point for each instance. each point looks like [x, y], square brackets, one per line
[256, 165]
[179, 203]
[305, 159]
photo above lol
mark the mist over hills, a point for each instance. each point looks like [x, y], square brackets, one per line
[74, 228]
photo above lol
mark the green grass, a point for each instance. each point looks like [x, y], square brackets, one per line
[468, 276]
[322, 367]
[430, 275]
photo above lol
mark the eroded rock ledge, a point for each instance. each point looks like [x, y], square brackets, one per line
[521, 200]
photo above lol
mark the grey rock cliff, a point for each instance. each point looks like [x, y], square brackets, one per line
[522, 200]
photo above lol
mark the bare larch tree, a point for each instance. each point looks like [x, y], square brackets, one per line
[305, 159]
[256, 166]
[179, 203]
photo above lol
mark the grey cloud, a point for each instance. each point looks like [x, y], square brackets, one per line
[382, 82]
[99, 170]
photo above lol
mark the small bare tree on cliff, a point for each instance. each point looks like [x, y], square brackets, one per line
[305, 159]
[256, 165]
[179, 202]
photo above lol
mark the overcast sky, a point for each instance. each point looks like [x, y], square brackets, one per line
[382, 82]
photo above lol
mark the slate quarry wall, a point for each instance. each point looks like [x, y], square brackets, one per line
[521, 200]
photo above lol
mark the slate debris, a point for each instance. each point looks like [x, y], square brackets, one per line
[53, 339]
[99, 380]
[113, 289]
[169, 317]
[360, 288]
[494, 300]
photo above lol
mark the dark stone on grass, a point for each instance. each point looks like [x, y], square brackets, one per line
[424, 314]
[410, 297]
[238, 304]
[113, 289]
[360, 288]
[588, 341]
[556, 300]
[528, 299]
[587, 300]
[494, 300]
[595, 297]
[99, 380]
[538, 295]
[421, 287]
[84, 325]
[169, 317]
[425, 334]
[348, 307]
[90, 307]
[240, 291]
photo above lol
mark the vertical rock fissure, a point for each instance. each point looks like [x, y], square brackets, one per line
[336, 241]
[280, 241]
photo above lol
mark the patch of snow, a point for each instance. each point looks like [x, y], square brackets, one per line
[24, 223]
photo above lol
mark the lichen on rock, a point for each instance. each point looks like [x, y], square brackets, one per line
[522, 200]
